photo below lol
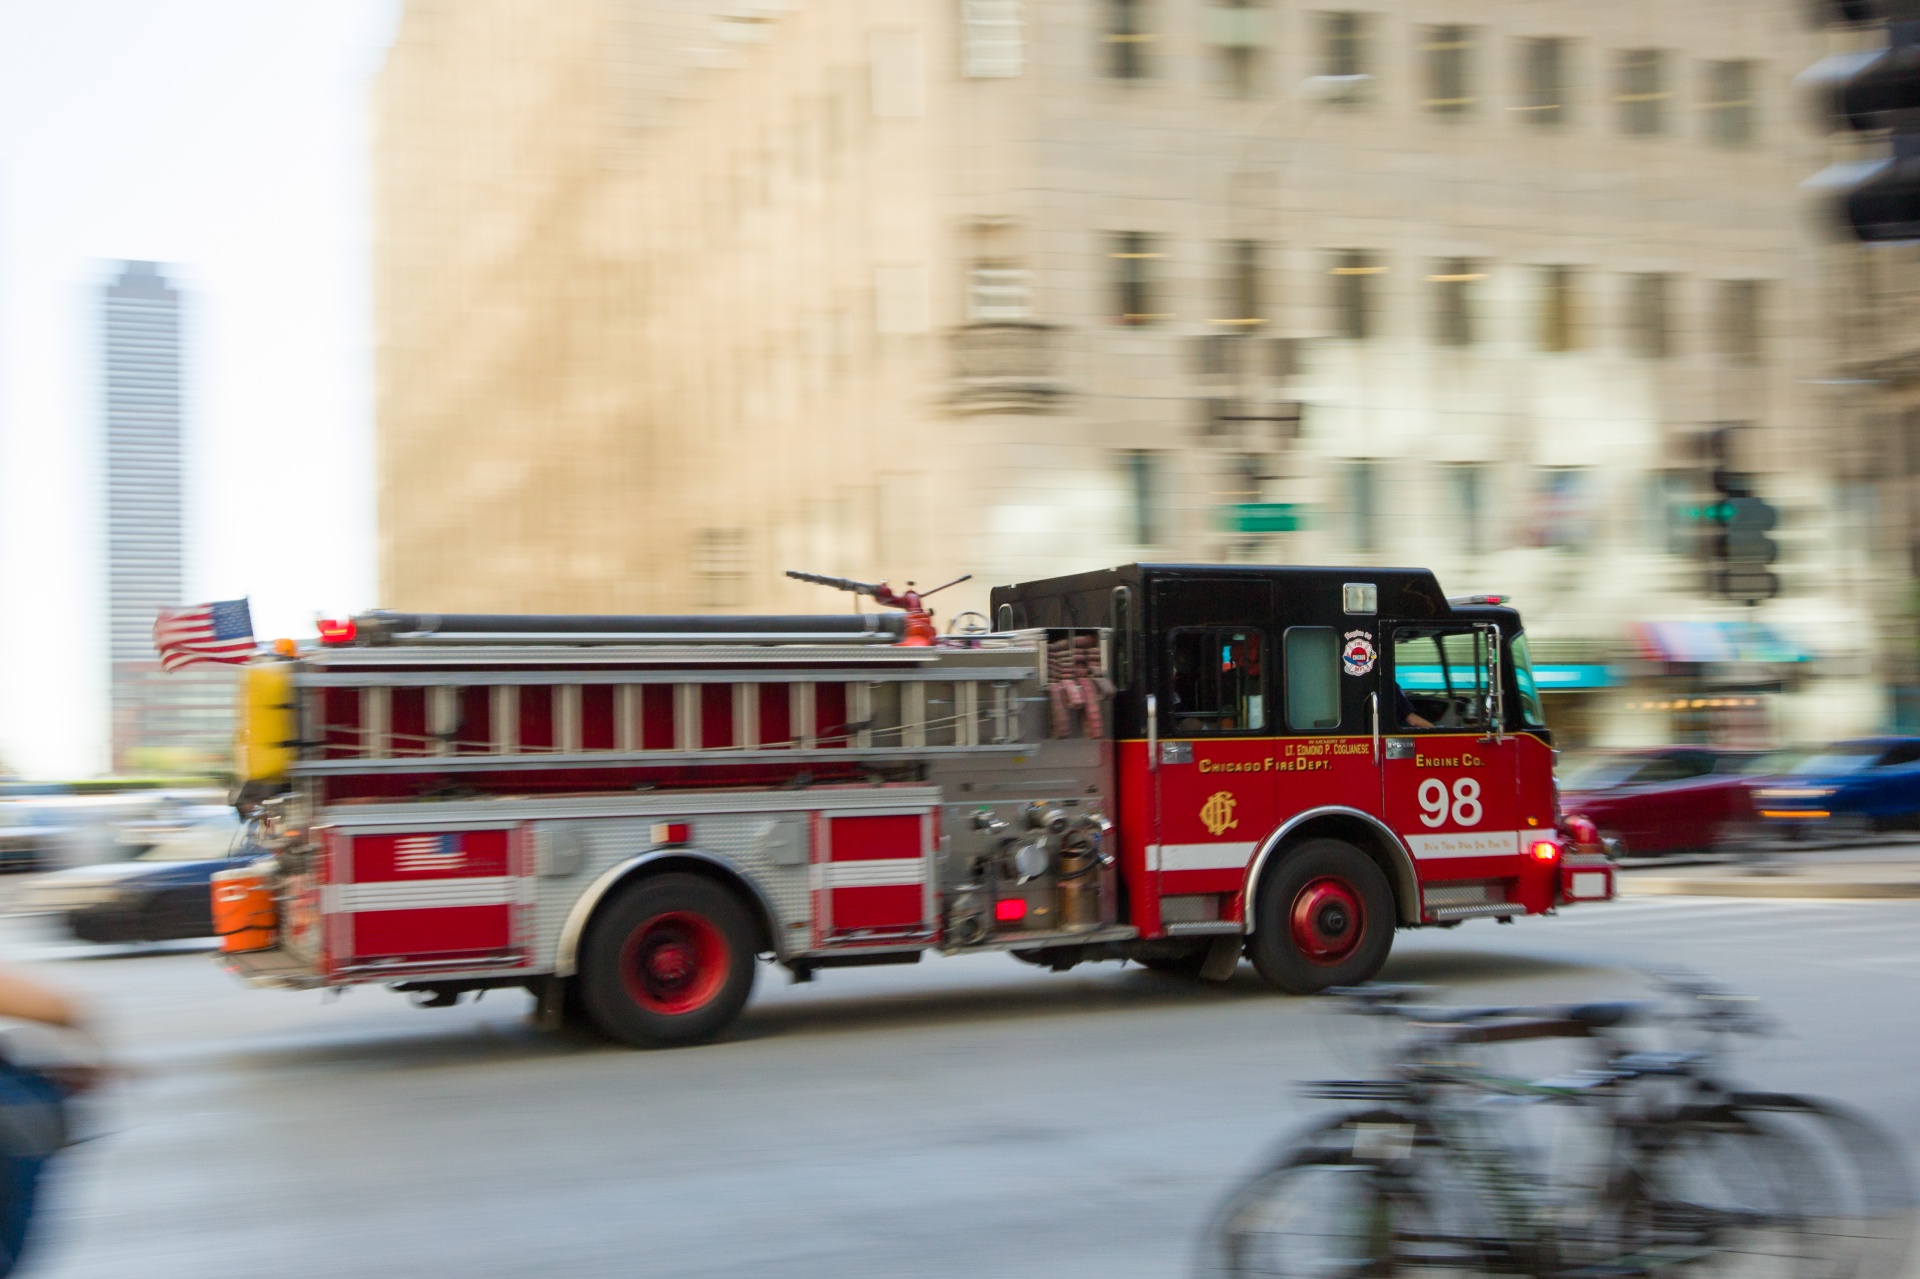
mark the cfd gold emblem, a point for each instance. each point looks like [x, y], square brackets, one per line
[1217, 812]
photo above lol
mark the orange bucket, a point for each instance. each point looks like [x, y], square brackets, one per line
[244, 914]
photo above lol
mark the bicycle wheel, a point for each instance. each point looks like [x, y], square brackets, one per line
[1857, 1196]
[1346, 1204]
[1731, 1194]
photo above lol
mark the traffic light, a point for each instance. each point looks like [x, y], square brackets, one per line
[1872, 91]
[1739, 520]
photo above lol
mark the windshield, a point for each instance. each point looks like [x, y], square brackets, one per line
[1831, 761]
[1602, 772]
[203, 841]
[1531, 712]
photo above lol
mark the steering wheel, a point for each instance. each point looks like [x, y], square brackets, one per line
[978, 626]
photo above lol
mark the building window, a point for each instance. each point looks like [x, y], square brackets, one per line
[1237, 31]
[902, 304]
[998, 292]
[720, 566]
[896, 77]
[1543, 79]
[1143, 493]
[1730, 103]
[1363, 510]
[1740, 326]
[1454, 286]
[1563, 508]
[1135, 295]
[1642, 92]
[993, 44]
[1344, 53]
[1127, 39]
[1669, 496]
[1448, 54]
[1242, 297]
[1353, 308]
[1559, 308]
[1650, 315]
[1467, 491]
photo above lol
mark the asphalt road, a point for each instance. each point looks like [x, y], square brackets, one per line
[967, 1117]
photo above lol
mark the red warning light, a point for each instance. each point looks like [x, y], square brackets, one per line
[1545, 850]
[1010, 910]
[672, 832]
[332, 632]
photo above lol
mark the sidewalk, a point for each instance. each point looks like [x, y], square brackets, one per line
[1877, 871]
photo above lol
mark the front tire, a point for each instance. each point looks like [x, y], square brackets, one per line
[1325, 918]
[669, 961]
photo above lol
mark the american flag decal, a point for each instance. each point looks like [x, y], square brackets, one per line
[217, 632]
[427, 854]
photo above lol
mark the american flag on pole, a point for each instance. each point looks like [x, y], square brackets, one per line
[218, 632]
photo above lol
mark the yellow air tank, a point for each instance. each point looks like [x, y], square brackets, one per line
[269, 722]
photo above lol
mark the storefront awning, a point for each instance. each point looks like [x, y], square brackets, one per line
[1704, 642]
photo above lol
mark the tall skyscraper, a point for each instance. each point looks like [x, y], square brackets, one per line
[164, 722]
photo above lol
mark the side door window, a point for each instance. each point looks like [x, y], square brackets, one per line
[1442, 680]
[1217, 680]
[1891, 776]
[1313, 679]
[1907, 753]
[1662, 770]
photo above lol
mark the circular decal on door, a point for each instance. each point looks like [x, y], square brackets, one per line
[1357, 653]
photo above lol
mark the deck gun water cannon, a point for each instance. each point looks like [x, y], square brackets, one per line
[920, 632]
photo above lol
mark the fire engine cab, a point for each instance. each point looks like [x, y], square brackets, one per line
[1178, 765]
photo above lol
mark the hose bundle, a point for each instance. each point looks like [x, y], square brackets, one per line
[1076, 681]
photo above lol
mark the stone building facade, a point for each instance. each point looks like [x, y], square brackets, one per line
[676, 295]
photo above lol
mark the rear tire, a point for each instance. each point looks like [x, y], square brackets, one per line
[669, 961]
[1325, 918]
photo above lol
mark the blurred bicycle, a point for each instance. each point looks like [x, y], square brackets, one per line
[35, 1105]
[1438, 1173]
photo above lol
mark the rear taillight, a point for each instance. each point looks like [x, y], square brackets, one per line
[332, 632]
[1543, 850]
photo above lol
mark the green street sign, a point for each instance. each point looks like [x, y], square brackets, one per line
[1261, 517]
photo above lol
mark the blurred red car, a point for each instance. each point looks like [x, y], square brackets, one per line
[1666, 800]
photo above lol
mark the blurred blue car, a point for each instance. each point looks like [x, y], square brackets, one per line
[1848, 790]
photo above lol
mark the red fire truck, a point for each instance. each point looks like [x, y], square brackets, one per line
[1176, 765]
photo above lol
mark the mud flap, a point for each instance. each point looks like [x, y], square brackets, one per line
[1223, 958]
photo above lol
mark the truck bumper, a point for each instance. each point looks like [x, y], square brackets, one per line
[1587, 877]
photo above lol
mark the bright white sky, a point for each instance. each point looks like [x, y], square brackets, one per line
[227, 138]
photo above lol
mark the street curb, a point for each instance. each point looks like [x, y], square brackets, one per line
[1783, 887]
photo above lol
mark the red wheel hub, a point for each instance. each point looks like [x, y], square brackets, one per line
[675, 962]
[1326, 920]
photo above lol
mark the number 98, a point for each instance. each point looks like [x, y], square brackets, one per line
[1435, 802]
